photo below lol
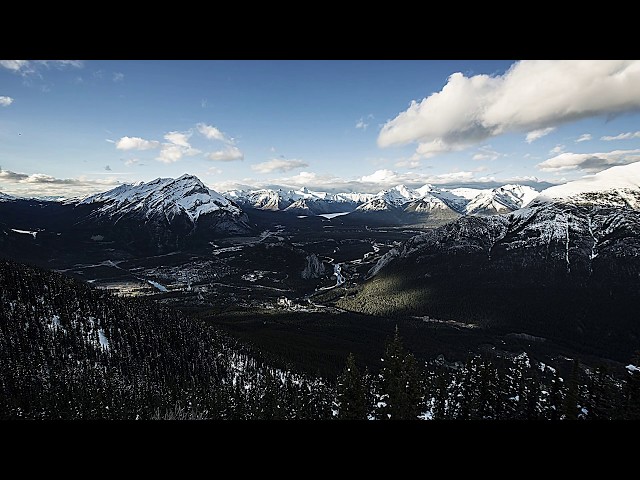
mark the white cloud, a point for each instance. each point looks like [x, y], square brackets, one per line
[589, 162]
[278, 165]
[383, 176]
[486, 153]
[178, 138]
[537, 134]
[177, 147]
[361, 124]
[118, 77]
[408, 163]
[557, 149]
[438, 146]
[30, 67]
[585, 137]
[229, 154]
[132, 161]
[5, 101]
[14, 65]
[377, 181]
[214, 171]
[136, 143]
[212, 133]
[531, 95]
[170, 153]
[622, 136]
[484, 156]
[41, 184]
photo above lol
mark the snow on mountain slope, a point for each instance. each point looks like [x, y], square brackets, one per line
[399, 195]
[616, 186]
[500, 200]
[390, 199]
[302, 201]
[6, 198]
[186, 194]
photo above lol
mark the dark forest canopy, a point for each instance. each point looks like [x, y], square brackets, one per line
[71, 351]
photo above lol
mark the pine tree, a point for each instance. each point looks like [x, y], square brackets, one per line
[352, 396]
[401, 383]
[571, 408]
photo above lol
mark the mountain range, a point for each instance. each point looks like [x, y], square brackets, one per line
[565, 266]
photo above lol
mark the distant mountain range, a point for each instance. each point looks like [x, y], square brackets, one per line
[399, 204]
[169, 214]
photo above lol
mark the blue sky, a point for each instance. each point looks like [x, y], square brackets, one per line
[78, 127]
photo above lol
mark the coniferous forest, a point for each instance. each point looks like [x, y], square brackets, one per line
[71, 351]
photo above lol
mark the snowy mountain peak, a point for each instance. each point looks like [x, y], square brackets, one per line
[399, 195]
[619, 179]
[184, 194]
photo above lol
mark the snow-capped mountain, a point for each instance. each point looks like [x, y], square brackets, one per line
[185, 195]
[616, 186]
[299, 202]
[504, 199]
[585, 228]
[439, 203]
[164, 214]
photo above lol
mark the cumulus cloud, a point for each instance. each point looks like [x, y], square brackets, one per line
[589, 162]
[229, 154]
[585, 137]
[536, 134]
[212, 133]
[531, 96]
[178, 138]
[178, 146]
[622, 136]
[278, 165]
[5, 101]
[136, 143]
[557, 149]
[170, 153]
[118, 77]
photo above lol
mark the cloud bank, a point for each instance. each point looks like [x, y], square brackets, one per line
[278, 165]
[589, 162]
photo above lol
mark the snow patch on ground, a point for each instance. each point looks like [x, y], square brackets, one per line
[27, 232]
[104, 341]
[162, 288]
[333, 215]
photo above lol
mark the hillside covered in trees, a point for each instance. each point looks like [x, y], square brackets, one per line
[70, 351]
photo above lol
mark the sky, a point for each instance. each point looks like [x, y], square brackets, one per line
[76, 127]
